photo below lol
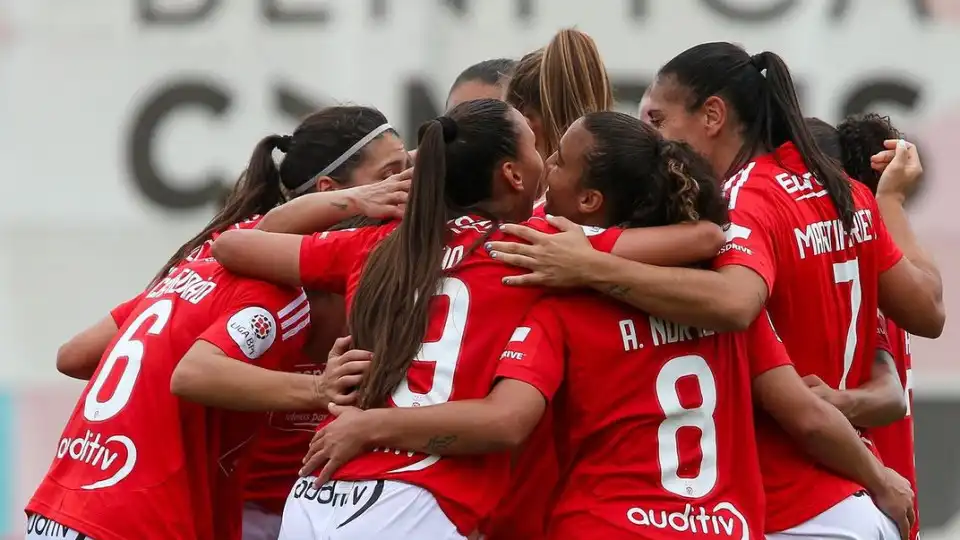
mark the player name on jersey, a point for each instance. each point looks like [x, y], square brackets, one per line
[662, 331]
[831, 235]
[187, 284]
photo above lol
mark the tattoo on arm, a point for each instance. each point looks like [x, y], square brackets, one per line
[618, 291]
[341, 206]
[438, 444]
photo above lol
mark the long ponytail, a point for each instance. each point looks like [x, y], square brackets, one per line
[406, 265]
[256, 192]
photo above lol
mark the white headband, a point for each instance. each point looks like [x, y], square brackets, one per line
[343, 157]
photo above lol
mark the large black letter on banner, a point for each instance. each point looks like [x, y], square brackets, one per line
[140, 151]
[151, 13]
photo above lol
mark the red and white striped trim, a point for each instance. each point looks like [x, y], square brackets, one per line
[731, 188]
[294, 317]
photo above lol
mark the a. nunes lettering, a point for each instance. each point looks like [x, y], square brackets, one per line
[721, 522]
[665, 332]
[830, 236]
[187, 284]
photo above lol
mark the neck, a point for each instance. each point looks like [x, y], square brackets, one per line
[504, 210]
[724, 154]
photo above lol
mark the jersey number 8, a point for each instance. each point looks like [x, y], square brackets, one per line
[678, 417]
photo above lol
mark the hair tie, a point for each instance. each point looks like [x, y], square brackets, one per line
[758, 61]
[284, 142]
[449, 128]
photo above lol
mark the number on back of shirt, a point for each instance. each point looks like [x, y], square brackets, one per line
[678, 417]
[131, 350]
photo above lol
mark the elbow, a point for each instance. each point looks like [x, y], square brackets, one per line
[226, 247]
[738, 315]
[712, 240]
[70, 362]
[511, 431]
[933, 326]
[185, 380]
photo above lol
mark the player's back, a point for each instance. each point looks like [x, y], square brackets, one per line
[654, 425]
[134, 459]
[823, 280]
[472, 317]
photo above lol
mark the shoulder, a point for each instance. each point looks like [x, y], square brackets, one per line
[542, 225]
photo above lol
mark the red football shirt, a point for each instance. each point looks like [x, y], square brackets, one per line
[472, 317]
[895, 442]
[657, 437]
[135, 461]
[823, 300]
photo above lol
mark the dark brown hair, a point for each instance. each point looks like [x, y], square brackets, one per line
[319, 140]
[647, 181]
[457, 157]
[760, 91]
[854, 141]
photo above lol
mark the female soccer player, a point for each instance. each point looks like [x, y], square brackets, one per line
[483, 80]
[800, 236]
[326, 138]
[860, 144]
[613, 489]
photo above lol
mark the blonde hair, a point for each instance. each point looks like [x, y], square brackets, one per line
[561, 82]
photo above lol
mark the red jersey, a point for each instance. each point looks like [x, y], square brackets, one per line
[666, 452]
[136, 461]
[895, 442]
[472, 317]
[540, 208]
[822, 283]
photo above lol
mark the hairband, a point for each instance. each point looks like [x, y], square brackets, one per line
[343, 158]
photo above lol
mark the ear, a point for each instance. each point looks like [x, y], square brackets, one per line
[715, 115]
[511, 173]
[589, 201]
[325, 183]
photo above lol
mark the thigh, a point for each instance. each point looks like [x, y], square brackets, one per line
[379, 509]
[854, 518]
[41, 528]
[259, 524]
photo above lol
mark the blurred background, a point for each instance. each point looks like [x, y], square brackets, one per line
[123, 121]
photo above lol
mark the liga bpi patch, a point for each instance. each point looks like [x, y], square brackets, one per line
[254, 330]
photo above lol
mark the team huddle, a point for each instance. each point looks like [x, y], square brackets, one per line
[549, 321]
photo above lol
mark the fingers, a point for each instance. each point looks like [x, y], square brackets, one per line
[515, 248]
[532, 279]
[352, 367]
[885, 156]
[522, 232]
[516, 260]
[812, 380]
[313, 460]
[562, 223]
[345, 399]
[340, 346]
[353, 355]
[327, 473]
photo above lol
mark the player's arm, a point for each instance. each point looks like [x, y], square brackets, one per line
[911, 291]
[80, 356]
[316, 212]
[878, 402]
[815, 425]
[672, 245]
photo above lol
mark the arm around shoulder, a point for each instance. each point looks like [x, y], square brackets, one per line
[271, 257]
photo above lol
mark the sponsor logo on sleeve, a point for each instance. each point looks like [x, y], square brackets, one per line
[253, 329]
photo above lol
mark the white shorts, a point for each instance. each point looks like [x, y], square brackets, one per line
[41, 528]
[380, 509]
[854, 518]
[258, 524]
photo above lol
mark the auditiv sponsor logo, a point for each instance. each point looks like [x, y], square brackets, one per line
[721, 522]
[101, 455]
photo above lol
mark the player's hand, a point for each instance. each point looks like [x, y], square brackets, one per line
[385, 199]
[336, 443]
[345, 369]
[900, 168]
[822, 390]
[556, 260]
[896, 501]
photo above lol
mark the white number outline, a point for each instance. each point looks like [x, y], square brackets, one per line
[849, 272]
[444, 354]
[95, 410]
[677, 416]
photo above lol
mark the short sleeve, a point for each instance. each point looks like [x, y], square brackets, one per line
[749, 240]
[327, 259]
[765, 349]
[534, 353]
[883, 337]
[601, 239]
[123, 311]
[888, 254]
[262, 324]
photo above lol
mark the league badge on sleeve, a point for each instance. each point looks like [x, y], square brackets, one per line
[253, 329]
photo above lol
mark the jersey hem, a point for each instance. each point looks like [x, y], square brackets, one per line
[77, 524]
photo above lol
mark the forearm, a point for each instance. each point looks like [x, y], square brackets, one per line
[875, 404]
[895, 218]
[310, 213]
[699, 298]
[672, 245]
[231, 384]
[834, 443]
[454, 428]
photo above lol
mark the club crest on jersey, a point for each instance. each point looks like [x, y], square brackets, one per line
[253, 329]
